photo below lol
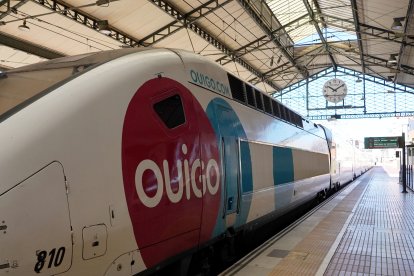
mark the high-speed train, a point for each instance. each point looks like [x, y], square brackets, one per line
[121, 162]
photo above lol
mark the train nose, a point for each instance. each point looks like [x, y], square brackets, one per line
[35, 233]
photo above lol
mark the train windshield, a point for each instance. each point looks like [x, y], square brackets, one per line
[16, 88]
[19, 87]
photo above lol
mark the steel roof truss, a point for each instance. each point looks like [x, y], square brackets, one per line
[408, 19]
[283, 41]
[256, 44]
[316, 25]
[25, 46]
[384, 63]
[16, 6]
[356, 61]
[213, 41]
[85, 19]
[358, 33]
[365, 29]
[287, 66]
[181, 20]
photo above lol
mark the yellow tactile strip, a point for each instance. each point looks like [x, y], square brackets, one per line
[308, 255]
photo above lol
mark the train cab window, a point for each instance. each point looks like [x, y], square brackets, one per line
[171, 111]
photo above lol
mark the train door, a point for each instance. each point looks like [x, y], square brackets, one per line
[36, 235]
[230, 157]
[231, 164]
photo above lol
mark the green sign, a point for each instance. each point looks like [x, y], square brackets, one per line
[383, 142]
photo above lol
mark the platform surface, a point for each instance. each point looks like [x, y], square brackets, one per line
[367, 229]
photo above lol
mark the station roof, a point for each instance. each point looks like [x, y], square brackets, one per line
[270, 43]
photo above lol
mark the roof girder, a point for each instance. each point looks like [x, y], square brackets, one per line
[16, 6]
[260, 42]
[212, 40]
[408, 19]
[377, 61]
[358, 33]
[316, 25]
[356, 60]
[85, 19]
[285, 47]
[366, 29]
[384, 63]
[181, 20]
[25, 46]
[285, 66]
[91, 22]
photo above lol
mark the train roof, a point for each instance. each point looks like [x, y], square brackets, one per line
[84, 59]
[238, 90]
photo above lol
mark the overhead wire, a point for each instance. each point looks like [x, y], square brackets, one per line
[107, 44]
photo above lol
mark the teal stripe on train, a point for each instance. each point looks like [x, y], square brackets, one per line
[282, 165]
[228, 128]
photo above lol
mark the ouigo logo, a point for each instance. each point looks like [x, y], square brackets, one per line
[186, 173]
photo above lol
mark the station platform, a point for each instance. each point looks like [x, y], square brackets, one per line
[366, 229]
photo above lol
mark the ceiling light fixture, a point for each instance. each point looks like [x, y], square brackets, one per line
[393, 58]
[104, 2]
[358, 80]
[396, 24]
[349, 49]
[271, 61]
[24, 27]
[103, 27]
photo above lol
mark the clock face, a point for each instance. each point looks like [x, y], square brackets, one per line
[334, 90]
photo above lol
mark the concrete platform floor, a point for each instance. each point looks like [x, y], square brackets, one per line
[367, 229]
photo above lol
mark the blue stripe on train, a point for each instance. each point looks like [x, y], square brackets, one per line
[282, 165]
[230, 126]
[283, 176]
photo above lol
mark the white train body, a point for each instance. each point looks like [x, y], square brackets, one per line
[98, 176]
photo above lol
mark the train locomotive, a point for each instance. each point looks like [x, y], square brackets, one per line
[120, 162]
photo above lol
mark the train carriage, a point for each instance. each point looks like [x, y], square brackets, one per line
[119, 162]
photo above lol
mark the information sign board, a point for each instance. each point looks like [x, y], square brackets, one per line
[383, 142]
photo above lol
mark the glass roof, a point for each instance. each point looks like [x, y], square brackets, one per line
[330, 35]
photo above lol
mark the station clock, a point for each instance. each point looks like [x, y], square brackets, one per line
[334, 90]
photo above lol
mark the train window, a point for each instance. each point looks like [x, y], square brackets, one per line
[282, 112]
[259, 101]
[18, 87]
[237, 89]
[276, 110]
[299, 122]
[267, 104]
[250, 96]
[289, 115]
[171, 111]
[296, 119]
